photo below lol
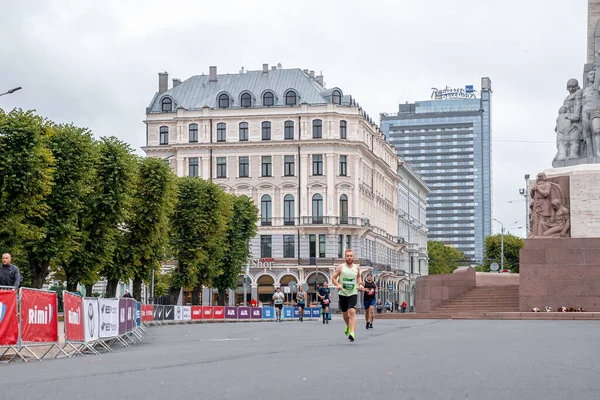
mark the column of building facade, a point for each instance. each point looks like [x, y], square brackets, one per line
[303, 171]
[331, 173]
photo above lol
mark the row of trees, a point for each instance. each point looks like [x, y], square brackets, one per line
[443, 259]
[83, 209]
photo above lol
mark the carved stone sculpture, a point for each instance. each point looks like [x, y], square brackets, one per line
[568, 124]
[558, 225]
[590, 114]
[545, 195]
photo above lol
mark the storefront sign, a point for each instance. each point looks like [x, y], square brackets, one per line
[448, 93]
[262, 263]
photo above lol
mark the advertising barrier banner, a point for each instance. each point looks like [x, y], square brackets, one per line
[230, 312]
[255, 313]
[39, 317]
[138, 314]
[122, 317]
[91, 319]
[159, 313]
[9, 320]
[288, 313]
[268, 313]
[296, 312]
[177, 313]
[109, 317]
[147, 313]
[244, 313]
[187, 313]
[315, 312]
[196, 312]
[218, 312]
[129, 323]
[207, 312]
[73, 312]
[168, 313]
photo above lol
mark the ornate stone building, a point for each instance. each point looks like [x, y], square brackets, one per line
[318, 168]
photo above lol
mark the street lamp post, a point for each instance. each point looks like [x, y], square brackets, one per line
[501, 246]
[11, 91]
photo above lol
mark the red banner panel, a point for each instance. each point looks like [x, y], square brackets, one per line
[219, 312]
[73, 306]
[147, 312]
[207, 312]
[39, 318]
[9, 321]
[196, 312]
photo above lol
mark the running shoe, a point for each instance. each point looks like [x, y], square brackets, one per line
[347, 330]
[351, 337]
[371, 325]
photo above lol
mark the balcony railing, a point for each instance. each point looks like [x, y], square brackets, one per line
[315, 220]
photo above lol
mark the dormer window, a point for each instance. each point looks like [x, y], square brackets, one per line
[290, 98]
[268, 99]
[223, 101]
[246, 100]
[336, 97]
[167, 104]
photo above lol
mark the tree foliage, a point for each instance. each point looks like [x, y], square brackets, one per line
[493, 250]
[444, 259]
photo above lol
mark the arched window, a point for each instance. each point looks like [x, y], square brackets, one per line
[288, 210]
[221, 132]
[167, 104]
[336, 97]
[223, 101]
[343, 127]
[288, 130]
[243, 131]
[343, 209]
[317, 209]
[193, 136]
[266, 130]
[246, 100]
[268, 99]
[164, 135]
[290, 98]
[265, 210]
[317, 129]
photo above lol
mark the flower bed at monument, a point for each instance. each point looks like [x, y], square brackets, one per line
[560, 309]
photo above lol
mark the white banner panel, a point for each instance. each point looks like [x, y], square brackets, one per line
[109, 317]
[187, 313]
[91, 319]
[178, 313]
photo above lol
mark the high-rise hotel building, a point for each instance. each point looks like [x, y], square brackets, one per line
[447, 140]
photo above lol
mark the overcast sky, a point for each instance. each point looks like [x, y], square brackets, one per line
[96, 63]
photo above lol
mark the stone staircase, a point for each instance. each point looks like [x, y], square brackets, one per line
[484, 299]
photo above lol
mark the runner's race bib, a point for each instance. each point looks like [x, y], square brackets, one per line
[278, 301]
[371, 292]
[325, 301]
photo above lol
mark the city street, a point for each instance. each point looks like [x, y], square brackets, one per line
[399, 359]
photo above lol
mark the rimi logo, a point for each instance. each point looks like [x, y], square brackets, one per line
[40, 317]
[74, 316]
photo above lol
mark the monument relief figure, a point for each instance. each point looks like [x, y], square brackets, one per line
[543, 194]
[590, 114]
[568, 124]
[559, 223]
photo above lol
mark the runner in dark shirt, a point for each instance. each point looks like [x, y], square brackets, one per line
[324, 297]
[369, 299]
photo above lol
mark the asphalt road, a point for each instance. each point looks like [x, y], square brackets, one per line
[399, 359]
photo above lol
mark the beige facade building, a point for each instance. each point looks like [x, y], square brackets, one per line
[317, 167]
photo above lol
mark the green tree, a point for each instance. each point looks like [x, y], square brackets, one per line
[242, 228]
[148, 222]
[25, 180]
[493, 250]
[199, 224]
[443, 258]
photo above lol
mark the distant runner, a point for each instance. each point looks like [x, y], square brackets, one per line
[324, 296]
[301, 300]
[369, 300]
[278, 301]
[351, 283]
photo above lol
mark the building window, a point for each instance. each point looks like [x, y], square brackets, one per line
[336, 97]
[243, 131]
[343, 166]
[317, 164]
[266, 166]
[266, 210]
[288, 166]
[343, 209]
[164, 135]
[265, 246]
[290, 98]
[288, 246]
[193, 169]
[221, 167]
[317, 129]
[348, 242]
[322, 246]
[288, 210]
[266, 130]
[343, 127]
[193, 133]
[317, 209]
[340, 246]
[221, 132]
[268, 99]
[167, 104]
[246, 100]
[289, 130]
[244, 167]
[223, 101]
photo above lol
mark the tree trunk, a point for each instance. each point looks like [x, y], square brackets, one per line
[173, 295]
[137, 289]
[221, 299]
[111, 288]
[196, 295]
[88, 289]
[39, 271]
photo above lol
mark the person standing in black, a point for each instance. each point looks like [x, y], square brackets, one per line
[369, 299]
[323, 294]
[9, 274]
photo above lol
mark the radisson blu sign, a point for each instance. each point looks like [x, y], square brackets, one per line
[451, 93]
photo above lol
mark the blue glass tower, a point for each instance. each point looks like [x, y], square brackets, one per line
[447, 141]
